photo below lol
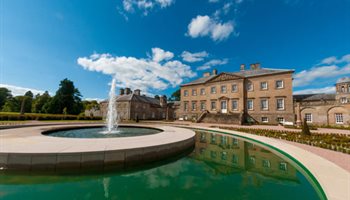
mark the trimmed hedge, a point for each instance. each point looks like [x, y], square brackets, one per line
[43, 117]
[332, 141]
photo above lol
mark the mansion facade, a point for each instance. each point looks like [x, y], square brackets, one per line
[255, 95]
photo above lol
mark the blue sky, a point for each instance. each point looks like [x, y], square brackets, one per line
[156, 45]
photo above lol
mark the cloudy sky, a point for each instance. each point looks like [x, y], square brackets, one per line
[156, 45]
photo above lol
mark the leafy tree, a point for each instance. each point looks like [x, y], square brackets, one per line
[28, 99]
[40, 103]
[156, 97]
[12, 105]
[176, 95]
[67, 96]
[5, 94]
[88, 105]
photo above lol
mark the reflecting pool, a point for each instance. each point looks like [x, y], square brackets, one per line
[220, 167]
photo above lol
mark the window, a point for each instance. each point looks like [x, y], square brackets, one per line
[203, 105]
[202, 91]
[264, 119]
[185, 106]
[185, 93]
[264, 104]
[280, 120]
[223, 105]
[342, 89]
[234, 105]
[194, 92]
[279, 84]
[249, 86]
[213, 105]
[308, 117]
[194, 105]
[223, 89]
[252, 160]
[212, 154]
[234, 88]
[213, 90]
[343, 100]
[250, 105]
[153, 115]
[223, 140]
[234, 159]
[339, 118]
[266, 164]
[263, 85]
[283, 166]
[234, 141]
[280, 104]
[223, 155]
[213, 138]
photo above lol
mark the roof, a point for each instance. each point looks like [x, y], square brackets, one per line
[261, 72]
[243, 74]
[313, 97]
[138, 98]
[344, 80]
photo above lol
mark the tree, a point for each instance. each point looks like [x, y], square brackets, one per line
[12, 105]
[305, 128]
[28, 100]
[5, 94]
[157, 97]
[67, 96]
[175, 96]
[40, 102]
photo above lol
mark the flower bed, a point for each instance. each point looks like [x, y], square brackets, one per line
[335, 142]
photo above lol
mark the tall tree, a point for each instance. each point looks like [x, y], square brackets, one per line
[40, 102]
[67, 98]
[175, 96]
[5, 94]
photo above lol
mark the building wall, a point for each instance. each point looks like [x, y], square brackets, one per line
[271, 95]
[241, 96]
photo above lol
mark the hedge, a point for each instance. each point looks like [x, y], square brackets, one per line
[43, 117]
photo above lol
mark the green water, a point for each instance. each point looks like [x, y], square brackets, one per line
[220, 167]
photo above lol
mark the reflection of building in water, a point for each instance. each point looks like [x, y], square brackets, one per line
[237, 154]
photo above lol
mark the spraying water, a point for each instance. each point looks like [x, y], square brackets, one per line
[112, 112]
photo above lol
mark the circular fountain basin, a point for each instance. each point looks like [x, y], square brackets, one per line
[26, 149]
[100, 132]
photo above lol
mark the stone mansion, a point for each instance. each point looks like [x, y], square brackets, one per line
[255, 95]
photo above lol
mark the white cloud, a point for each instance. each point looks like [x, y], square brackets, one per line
[145, 6]
[159, 54]
[213, 1]
[212, 63]
[139, 73]
[306, 77]
[327, 90]
[330, 67]
[335, 60]
[194, 57]
[18, 90]
[205, 26]
[94, 99]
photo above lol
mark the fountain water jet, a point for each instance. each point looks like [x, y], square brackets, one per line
[111, 120]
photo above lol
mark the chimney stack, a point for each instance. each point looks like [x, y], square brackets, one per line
[252, 66]
[121, 91]
[162, 101]
[206, 74]
[137, 92]
[242, 67]
[257, 65]
[127, 91]
[215, 71]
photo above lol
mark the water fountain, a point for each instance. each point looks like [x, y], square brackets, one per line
[111, 119]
